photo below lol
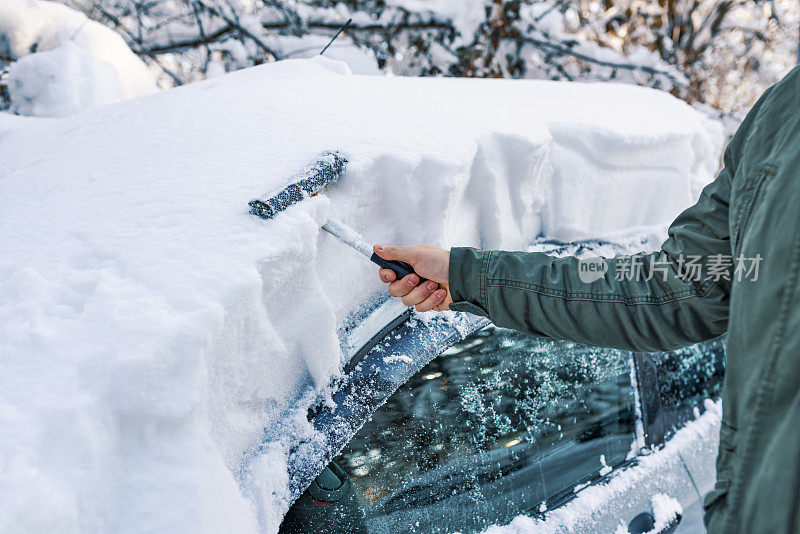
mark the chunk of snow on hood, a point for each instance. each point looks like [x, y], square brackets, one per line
[158, 342]
[605, 469]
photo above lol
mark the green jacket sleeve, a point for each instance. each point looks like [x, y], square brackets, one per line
[666, 307]
[545, 296]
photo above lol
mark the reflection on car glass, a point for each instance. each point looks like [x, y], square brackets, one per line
[688, 376]
[500, 424]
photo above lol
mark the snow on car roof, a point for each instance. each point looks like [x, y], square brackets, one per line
[151, 329]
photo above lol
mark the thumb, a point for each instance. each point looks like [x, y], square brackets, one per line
[395, 253]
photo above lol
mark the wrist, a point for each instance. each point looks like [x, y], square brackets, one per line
[465, 271]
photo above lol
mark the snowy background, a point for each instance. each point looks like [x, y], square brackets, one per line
[714, 53]
[150, 329]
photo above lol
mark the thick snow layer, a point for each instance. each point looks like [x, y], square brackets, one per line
[151, 329]
[66, 62]
[579, 515]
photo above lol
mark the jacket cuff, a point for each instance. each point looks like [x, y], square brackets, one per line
[467, 279]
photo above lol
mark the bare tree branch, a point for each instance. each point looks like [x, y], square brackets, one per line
[372, 27]
[621, 66]
[175, 78]
[686, 39]
[177, 46]
[241, 29]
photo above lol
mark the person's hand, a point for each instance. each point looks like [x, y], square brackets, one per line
[431, 263]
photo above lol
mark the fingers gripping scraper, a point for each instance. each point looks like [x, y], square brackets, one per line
[327, 169]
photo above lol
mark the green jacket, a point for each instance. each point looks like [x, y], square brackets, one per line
[750, 212]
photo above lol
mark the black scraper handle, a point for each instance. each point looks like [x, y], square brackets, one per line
[400, 268]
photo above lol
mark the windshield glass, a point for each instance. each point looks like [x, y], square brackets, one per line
[500, 424]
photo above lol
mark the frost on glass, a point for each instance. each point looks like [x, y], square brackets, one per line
[496, 426]
[688, 376]
[533, 387]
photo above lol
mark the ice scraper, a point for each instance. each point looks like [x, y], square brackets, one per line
[327, 169]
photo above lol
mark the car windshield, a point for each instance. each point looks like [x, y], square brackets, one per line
[499, 424]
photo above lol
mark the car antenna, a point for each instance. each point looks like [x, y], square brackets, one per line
[341, 29]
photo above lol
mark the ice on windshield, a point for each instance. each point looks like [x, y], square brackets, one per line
[497, 425]
[686, 377]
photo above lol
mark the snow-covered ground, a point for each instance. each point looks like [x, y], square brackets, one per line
[151, 329]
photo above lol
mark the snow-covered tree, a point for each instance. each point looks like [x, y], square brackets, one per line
[55, 61]
[722, 53]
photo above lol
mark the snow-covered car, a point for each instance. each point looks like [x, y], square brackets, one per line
[466, 425]
[171, 363]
